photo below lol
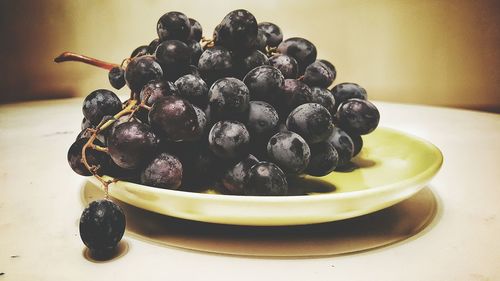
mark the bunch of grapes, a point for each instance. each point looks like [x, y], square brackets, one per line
[244, 112]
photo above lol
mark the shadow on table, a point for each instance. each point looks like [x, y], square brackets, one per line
[371, 231]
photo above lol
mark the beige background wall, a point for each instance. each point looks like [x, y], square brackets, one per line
[411, 51]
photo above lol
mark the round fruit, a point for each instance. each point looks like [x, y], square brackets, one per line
[262, 119]
[345, 91]
[229, 99]
[233, 179]
[343, 144]
[358, 116]
[196, 31]
[141, 70]
[176, 118]
[300, 49]
[102, 225]
[320, 73]
[132, 144]
[286, 64]
[265, 179]
[312, 121]
[358, 143]
[164, 171]
[116, 77]
[265, 83]
[290, 151]
[215, 63]
[325, 98]
[324, 159]
[193, 89]
[100, 103]
[237, 31]
[173, 25]
[94, 157]
[273, 33]
[157, 89]
[174, 56]
[229, 139]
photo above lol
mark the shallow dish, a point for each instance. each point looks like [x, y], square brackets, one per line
[392, 167]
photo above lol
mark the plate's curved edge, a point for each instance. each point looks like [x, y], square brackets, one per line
[429, 173]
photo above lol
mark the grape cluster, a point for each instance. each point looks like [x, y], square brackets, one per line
[204, 110]
[244, 111]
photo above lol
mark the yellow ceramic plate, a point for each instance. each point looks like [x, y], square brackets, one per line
[391, 167]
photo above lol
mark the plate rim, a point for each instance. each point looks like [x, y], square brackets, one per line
[422, 177]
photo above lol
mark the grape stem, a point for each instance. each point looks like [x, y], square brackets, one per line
[131, 106]
[271, 51]
[69, 56]
[207, 42]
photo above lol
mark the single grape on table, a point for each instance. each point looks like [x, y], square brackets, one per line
[242, 111]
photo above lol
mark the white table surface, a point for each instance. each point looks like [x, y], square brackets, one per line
[40, 206]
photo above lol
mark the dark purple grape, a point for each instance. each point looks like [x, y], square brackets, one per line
[300, 49]
[196, 51]
[246, 63]
[320, 73]
[358, 143]
[102, 225]
[173, 26]
[233, 179]
[344, 91]
[290, 151]
[193, 89]
[140, 51]
[132, 145]
[116, 77]
[175, 118]
[265, 83]
[237, 31]
[294, 93]
[358, 116]
[260, 41]
[312, 121]
[94, 157]
[153, 45]
[265, 179]
[141, 70]
[174, 57]
[202, 119]
[164, 171]
[229, 140]
[196, 30]
[343, 144]
[229, 99]
[100, 103]
[215, 63]
[273, 33]
[262, 120]
[286, 64]
[157, 89]
[324, 159]
[325, 98]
